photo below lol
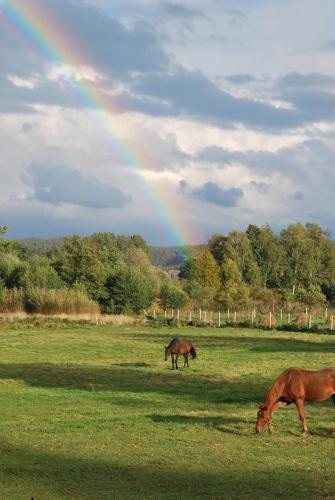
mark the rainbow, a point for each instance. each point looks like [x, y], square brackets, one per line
[35, 26]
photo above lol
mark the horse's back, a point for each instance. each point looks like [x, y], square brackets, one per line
[312, 384]
[180, 346]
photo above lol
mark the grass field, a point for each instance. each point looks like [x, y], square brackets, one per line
[96, 413]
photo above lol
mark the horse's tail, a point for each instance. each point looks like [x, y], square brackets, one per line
[193, 352]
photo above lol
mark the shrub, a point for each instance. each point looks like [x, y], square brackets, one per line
[265, 321]
[129, 290]
[173, 296]
[11, 300]
[58, 301]
[302, 319]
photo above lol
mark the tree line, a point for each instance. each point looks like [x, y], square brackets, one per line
[114, 273]
[259, 266]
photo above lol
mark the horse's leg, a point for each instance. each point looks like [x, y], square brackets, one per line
[333, 397]
[176, 362]
[275, 407]
[185, 359]
[172, 357]
[300, 406]
[187, 356]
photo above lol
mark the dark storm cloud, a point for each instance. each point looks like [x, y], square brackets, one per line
[134, 57]
[210, 192]
[106, 42]
[59, 184]
[192, 93]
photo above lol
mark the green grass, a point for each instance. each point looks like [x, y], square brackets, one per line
[96, 413]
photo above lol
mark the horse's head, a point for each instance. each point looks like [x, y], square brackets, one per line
[263, 418]
[193, 352]
[167, 352]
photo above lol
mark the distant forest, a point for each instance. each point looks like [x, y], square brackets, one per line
[118, 273]
[161, 256]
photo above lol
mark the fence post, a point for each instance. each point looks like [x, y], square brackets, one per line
[219, 323]
[165, 313]
[190, 316]
[310, 321]
[178, 314]
[289, 318]
[281, 314]
[172, 313]
[235, 317]
[154, 313]
[252, 317]
[326, 313]
[200, 314]
[205, 316]
[270, 319]
[332, 324]
[228, 313]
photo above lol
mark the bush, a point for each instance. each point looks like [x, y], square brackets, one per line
[62, 300]
[173, 297]
[129, 291]
[11, 300]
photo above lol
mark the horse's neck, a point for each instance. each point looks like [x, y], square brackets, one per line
[273, 394]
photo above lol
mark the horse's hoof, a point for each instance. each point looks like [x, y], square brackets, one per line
[304, 434]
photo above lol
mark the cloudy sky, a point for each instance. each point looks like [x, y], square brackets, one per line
[174, 120]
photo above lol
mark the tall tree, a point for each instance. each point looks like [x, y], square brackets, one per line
[206, 271]
[268, 253]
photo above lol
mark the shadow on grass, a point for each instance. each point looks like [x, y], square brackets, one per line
[270, 342]
[132, 365]
[182, 384]
[221, 423]
[36, 474]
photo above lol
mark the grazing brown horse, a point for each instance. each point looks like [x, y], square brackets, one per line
[177, 347]
[296, 385]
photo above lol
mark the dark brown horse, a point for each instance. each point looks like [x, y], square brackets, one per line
[296, 385]
[177, 347]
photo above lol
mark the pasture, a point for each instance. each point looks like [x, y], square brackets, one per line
[95, 413]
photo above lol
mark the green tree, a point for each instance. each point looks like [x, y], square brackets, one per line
[128, 290]
[269, 255]
[172, 296]
[187, 268]
[137, 257]
[236, 246]
[36, 273]
[82, 261]
[10, 266]
[206, 271]
[310, 256]
[234, 292]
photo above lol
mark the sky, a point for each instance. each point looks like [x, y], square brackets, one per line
[206, 117]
